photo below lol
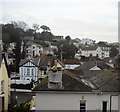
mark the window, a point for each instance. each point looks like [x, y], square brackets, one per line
[28, 71]
[82, 105]
[2, 86]
[32, 71]
[44, 72]
[104, 106]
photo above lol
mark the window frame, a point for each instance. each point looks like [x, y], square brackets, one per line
[82, 105]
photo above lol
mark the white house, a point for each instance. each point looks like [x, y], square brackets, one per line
[33, 49]
[87, 41]
[29, 69]
[34, 69]
[102, 52]
[73, 93]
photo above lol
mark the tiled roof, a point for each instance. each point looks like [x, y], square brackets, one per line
[45, 60]
[89, 48]
[71, 61]
[33, 60]
[69, 82]
[106, 81]
[90, 64]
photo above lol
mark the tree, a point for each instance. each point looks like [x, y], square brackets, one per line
[30, 32]
[47, 36]
[35, 27]
[66, 50]
[113, 51]
[45, 28]
[102, 43]
[14, 34]
[20, 24]
[68, 38]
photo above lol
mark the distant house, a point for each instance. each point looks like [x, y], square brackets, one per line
[27, 38]
[33, 49]
[71, 63]
[49, 50]
[102, 52]
[95, 65]
[67, 91]
[4, 84]
[57, 38]
[87, 41]
[33, 69]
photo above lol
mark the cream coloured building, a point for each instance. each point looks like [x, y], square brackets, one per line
[4, 85]
[102, 52]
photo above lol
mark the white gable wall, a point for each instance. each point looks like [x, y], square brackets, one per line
[33, 72]
[50, 101]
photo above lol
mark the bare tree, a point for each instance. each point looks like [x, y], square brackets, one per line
[36, 27]
[20, 24]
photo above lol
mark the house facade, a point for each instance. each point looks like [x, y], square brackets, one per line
[33, 49]
[4, 85]
[76, 101]
[102, 52]
[29, 69]
[34, 69]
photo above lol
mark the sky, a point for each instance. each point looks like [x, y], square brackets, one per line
[94, 19]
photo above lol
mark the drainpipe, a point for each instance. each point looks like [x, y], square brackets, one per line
[111, 102]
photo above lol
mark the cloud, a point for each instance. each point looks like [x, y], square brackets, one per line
[97, 18]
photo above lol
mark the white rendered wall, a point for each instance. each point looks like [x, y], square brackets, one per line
[72, 101]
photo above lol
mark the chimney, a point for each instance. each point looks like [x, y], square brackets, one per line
[55, 76]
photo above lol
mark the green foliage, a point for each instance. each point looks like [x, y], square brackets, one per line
[21, 108]
[45, 28]
[43, 43]
[102, 43]
[67, 49]
[113, 51]
[12, 34]
[68, 38]
[47, 36]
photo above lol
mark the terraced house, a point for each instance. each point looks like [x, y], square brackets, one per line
[101, 51]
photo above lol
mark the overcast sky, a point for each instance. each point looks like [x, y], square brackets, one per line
[94, 19]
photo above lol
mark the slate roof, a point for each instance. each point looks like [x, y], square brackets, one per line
[89, 48]
[45, 59]
[77, 73]
[105, 81]
[71, 61]
[69, 82]
[90, 64]
[33, 60]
